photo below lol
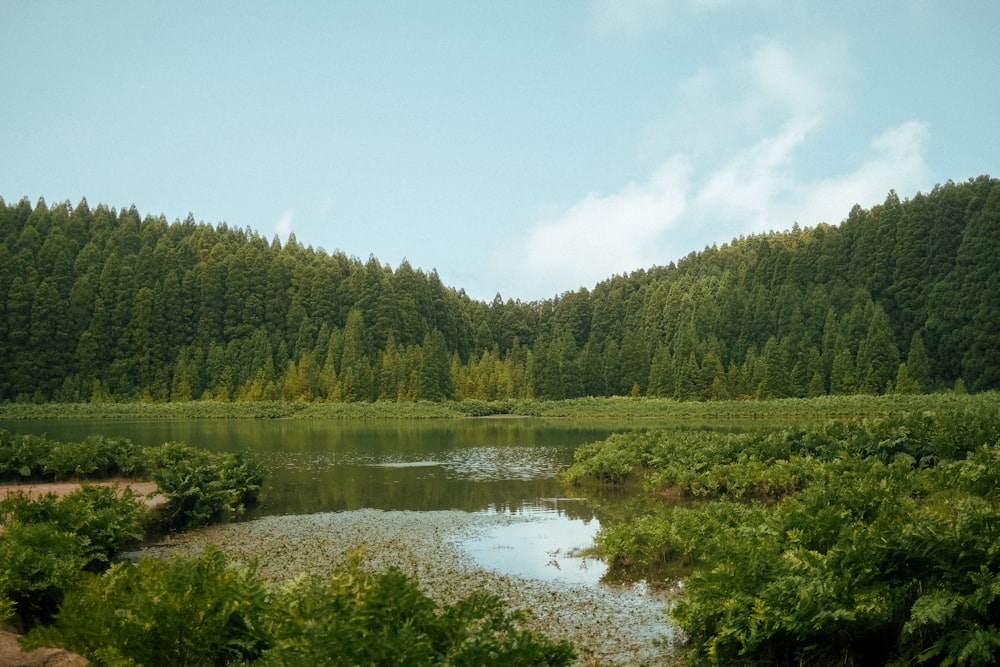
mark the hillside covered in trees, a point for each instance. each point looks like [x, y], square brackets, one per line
[99, 304]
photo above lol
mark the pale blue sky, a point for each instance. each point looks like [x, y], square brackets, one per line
[526, 148]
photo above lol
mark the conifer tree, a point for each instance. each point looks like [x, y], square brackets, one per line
[917, 363]
[434, 374]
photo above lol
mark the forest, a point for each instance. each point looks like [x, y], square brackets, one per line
[99, 304]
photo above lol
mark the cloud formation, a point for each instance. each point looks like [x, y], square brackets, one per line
[700, 195]
[598, 236]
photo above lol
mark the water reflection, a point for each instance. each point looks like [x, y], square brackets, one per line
[336, 465]
[544, 543]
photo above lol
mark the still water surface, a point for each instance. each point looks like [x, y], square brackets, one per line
[476, 465]
[337, 465]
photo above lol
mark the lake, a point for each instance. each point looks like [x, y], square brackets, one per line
[337, 465]
[491, 465]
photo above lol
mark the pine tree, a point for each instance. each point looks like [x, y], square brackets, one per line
[904, 383]
[435, 369]
[918, 364]
[661, 373]
[878, 357]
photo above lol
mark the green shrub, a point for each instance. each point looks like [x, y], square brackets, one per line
[182, 611]
[35, 457]
[203, 611]
[21, 456]
[611, 461]
[877, 541]
[96, 457]
[359, 618]
[38, 563]
[105, 517]
[47, 543]
[202, 486]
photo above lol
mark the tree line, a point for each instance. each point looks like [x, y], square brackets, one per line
[105, 304]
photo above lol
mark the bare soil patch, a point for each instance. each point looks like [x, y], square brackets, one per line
[35, 490]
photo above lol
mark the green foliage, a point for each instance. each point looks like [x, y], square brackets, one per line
[667, 544]
[22, 456]
[47, 543]
[166, 613]
[612, 461]
[877, 538]
[202, 486]
[38, 562]
[38, 458]
[204, 611]
[104, 518]
[105, 305]
[96, 457]
[362, 618]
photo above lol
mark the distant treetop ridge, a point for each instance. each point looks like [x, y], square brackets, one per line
[99, 304]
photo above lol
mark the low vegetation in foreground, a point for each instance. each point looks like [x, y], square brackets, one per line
[63, 583]
[859, 541]
[205, 611]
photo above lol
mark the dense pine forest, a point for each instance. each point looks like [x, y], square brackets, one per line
[101, 304]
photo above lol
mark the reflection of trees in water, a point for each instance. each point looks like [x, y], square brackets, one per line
[349, 487]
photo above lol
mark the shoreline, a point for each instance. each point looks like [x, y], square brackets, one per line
[609, 625]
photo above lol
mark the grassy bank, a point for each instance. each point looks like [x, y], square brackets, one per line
[580, 408]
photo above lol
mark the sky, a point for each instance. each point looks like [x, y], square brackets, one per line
[520, 148]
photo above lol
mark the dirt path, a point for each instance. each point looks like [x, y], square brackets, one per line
[38, 489]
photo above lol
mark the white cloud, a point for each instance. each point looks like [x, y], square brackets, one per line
[742, 192]
[750, 182]
[896, 163]
[284, 225]
[597, 237]
[751, 95]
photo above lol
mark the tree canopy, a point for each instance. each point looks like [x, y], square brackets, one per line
[101, 304]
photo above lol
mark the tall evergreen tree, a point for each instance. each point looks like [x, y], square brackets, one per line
[435, 369]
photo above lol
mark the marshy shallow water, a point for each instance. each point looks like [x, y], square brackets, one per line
[459, 504]
[452, 553]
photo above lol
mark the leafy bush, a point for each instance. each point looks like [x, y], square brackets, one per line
[21, 456]
[860, 564]
[38, 563]
[202, 486]
[96, 457]
[359, 618]
[157, 613]
[874, 540]
[24, 457]
[611, 461]
[106, 518]
[203, 611]
[47, 543]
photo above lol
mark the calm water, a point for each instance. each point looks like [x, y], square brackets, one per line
[336, 465]
[475, 465]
